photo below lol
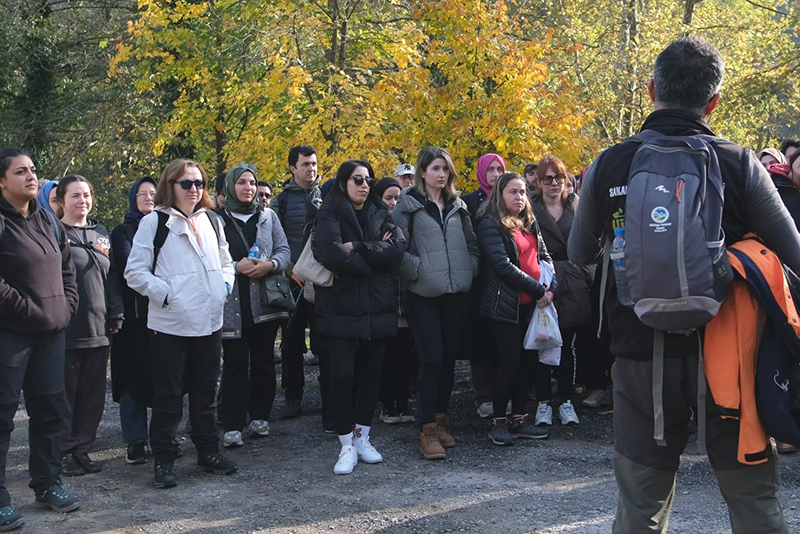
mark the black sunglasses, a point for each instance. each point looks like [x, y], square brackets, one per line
[187, 184]
[261, 194]
[359, 180]
[247, 166]
[548, 180]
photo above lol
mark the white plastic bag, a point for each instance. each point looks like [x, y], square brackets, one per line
[548, 273]
[550, 356]
[543, 332]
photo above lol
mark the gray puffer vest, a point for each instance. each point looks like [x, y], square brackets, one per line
[442, 257]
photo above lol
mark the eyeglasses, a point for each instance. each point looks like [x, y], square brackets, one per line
[261, 194]
[187, 184]
[147, 194]
[359, 180]
[548, 180]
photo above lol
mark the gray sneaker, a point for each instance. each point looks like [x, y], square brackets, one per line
[596, 398]
[499, 433]
[232, 438]
[521, 427]
[258, 427]
[485, 410]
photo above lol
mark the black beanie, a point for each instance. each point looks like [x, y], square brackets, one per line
[385, 184]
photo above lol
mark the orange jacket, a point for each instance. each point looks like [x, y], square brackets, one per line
[730, 345]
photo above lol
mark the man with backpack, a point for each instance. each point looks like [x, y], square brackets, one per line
[668, 187]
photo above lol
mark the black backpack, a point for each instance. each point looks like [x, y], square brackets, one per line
[162, 231]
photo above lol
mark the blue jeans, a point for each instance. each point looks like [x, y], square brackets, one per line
[33, 363]
[132, 419]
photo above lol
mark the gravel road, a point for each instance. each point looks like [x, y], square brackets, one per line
[285, 483]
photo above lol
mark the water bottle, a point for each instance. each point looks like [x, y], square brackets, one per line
[620, 272]
[255, 252]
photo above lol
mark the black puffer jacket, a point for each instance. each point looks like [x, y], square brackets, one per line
[502, 278]
[362, 302]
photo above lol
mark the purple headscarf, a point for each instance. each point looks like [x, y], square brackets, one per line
[483, 166]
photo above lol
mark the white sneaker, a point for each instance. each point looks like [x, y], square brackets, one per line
[596, 398]
[366, 452]
[566, 412]
[259, 426]
[485, 410]
[232, 438]
[544, 414]
[347, 461]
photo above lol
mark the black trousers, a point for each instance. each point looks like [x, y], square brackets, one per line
[184, 364]
[594, 358]
[33, 364]
[437, 325]
[85, 393]
[354, 362]
[248, 376]
[398, 368]
[293, 347]
[564, 373]
[511, 380]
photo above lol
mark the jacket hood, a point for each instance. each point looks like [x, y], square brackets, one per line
[91, 224]
[44, 195]
[291, 185]
[10, 211]
[676, 122]
[134, 215]
[774, 152]
[412, 199]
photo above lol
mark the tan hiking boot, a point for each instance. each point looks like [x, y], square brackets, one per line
[444, 436]
[429, 444]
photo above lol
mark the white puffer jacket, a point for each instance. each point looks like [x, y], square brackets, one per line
[188, 290]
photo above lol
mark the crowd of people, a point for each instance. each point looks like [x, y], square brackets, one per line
[393, 279]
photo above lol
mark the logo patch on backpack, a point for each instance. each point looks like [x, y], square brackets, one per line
[660, 215]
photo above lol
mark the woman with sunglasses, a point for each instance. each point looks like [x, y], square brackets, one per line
[438, 269]
[554, 208]
[250, 324]
[354, 238]
[186, 280]
[100, 313]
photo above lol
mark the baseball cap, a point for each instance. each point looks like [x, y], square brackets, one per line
[405, 168]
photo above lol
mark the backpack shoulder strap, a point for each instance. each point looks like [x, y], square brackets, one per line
[162, 231]
[215, 222]
[2, 225]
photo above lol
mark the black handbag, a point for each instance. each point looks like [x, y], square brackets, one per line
[276, 293]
